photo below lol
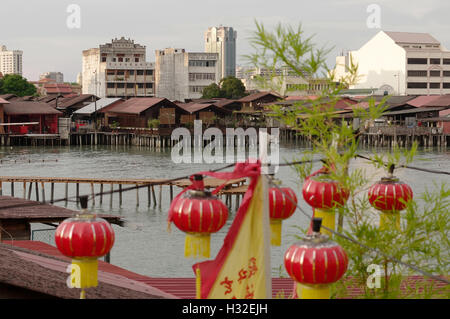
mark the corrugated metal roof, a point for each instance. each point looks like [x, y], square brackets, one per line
[2, 101]
[100, 104]
[32, 268]
[33, 211]
[412, 37]
[29, 107]
[422, 100]
[256, 96]
[443, 100]
[416, 110]
[137, 105]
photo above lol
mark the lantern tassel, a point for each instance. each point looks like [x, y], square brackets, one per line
[198, 284]
[84, 273]
[387, 218]
[315, 292]
[197, 245]
[275, 232]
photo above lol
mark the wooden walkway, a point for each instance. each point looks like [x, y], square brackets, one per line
[40, 182]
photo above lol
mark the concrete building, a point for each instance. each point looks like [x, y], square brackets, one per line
[181, 75]
[10, 61]
[222, 40]
[56, 77]
[118, 69]
[400, 63]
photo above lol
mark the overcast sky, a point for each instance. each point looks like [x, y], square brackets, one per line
[39, 27]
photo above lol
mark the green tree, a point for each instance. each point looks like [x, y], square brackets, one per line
[232, 88]
[229, 87]
[211, 91]
[425, 225]
[16, 84]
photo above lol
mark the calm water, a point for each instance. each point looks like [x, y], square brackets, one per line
[145, 246]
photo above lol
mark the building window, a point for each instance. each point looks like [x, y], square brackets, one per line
[206, 63]
[127, 59]
[130, 85]
[114, 59]
[110, 85]
[140, 85]
[104, 59]
[446, 85]
[417, 73]
[120, 59]
[435, 73]
[120, 72]
[417, 61]
[446, 61]
[110, 72]
[130, 72]
[140, 72]
[196, 89]
[202, 76]
[446, 73]
[148, 72]
[435, 61]
[435, 85]
[417, 85]
[149, 85]
[136, 59]
[120, 85]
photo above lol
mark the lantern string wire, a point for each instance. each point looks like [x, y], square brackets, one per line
[407, 166]
[423, 272]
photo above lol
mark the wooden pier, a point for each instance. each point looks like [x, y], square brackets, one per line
[109, 187]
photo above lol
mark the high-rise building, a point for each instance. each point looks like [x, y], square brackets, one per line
[56, 77]
[181, 75]
[400, 63]
[222, 40]
[118, 69]
[10, 61]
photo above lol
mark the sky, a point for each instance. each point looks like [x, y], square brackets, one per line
[39, 27]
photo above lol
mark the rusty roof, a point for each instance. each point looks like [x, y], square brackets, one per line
[443, 100]
[2, 101]
[197, 107]
[256, 96]
[70, 101]
[422, 100]
[29, 107]
[37, 212]
[32, 268]
[137, 105]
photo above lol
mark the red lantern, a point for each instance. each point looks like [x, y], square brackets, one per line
[324, 195]
[315, 263]
[282, 204]
[390, 196]
[198, 214]
[84, 238]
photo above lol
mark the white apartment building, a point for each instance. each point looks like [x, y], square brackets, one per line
[222, 40]
[10, 61]
[118, 69]
[57, 77]
[181, 75]
[400, 63]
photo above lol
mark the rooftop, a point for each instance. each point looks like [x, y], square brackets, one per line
[29, 107]
[96, 106]
[412, 37]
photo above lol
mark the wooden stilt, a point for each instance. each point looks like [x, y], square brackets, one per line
[111, 197]
[29, 190]
[120, 194]
[12, 189]
[37, 190]
[43, 191]
[93, 194]
[52, 192]
[153, 196]
[24, 190]
[148, 195]
[160, 195]
[66, 192]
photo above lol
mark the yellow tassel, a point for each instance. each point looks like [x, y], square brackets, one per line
[198, 284]
[313, 292]
[275, 232]
[197, 245]
[388, 218]
[328, 220]
[84, 273]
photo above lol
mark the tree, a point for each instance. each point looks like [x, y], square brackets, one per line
[16, 84]
[229, 87]
[422, 240]
[232, 88]
[211, 91]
